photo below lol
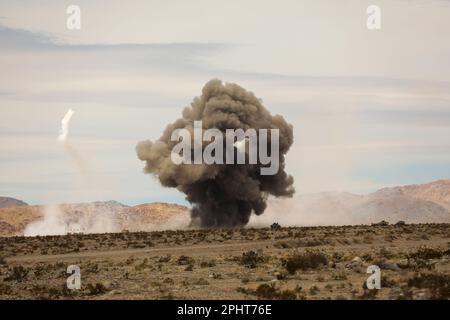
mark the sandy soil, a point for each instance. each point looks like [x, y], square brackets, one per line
[285, 263]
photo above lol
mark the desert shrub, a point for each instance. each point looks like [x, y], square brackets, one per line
[5, 289]
[207, 264]
[389, 238]
[310, 242]
[266, 291]
[283, 245]
[337, 257]
[164, 259]
[18, 273]
[251, 259]
[66, 292]
[185, 260]
[39, 270]
[387, 282]
[424, 237]
[369, 294]
[385, 253]
[56, 292]
[168, 296]
[270, 292]
[287, 295]
[339, 275]
[438, 284]
[2, 260]
[245, 280]
[137, 245]
[367, 257]
[98, 288]
[141, 266]
[202, 282]
[310, 259]
[263, 236]
[368, 239]
[320, 278]
[314, 290]
[425, 253]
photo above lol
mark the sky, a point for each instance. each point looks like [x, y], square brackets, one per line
[370, 108]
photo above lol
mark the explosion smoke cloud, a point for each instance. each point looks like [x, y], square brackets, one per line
[222, 195]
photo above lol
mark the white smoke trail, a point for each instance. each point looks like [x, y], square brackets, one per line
[62, 219]
[51, 224]
[65, 126]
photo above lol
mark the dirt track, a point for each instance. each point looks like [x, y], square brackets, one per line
[194, 250]
[330, 263]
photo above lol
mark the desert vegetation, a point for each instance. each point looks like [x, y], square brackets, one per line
[266, 263]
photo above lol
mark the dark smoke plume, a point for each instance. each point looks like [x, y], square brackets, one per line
[222, 195]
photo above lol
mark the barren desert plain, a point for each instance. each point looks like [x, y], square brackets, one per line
[247, 263]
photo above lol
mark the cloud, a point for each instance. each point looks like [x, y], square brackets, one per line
[20, 39]
[349, 130]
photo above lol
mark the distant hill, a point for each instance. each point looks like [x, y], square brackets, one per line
[94, 217]
[424, 203]
[6, 202]
[437, 192]
[156, 216]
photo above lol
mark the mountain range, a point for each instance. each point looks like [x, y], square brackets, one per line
[6, 202]
[93, 217]
[421, 203]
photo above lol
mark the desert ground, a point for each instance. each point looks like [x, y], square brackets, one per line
[267, 263]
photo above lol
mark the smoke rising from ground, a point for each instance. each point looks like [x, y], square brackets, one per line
[63, 219]
[222, 195]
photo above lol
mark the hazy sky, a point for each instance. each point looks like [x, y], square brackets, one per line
[369, 108]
